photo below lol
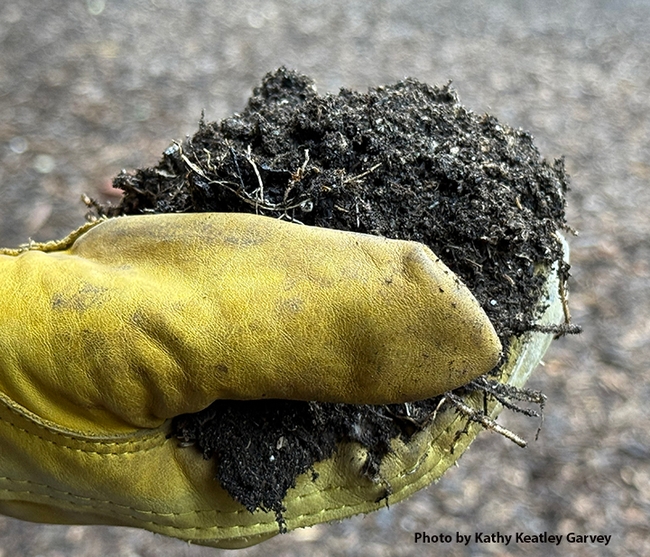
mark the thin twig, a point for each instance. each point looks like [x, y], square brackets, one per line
[193, 166]
[483, 419]
[260, 189]
[234, 160]
[362, 175]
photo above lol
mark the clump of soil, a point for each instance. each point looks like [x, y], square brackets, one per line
[403, 161]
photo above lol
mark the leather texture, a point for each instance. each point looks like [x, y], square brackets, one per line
[109, 333]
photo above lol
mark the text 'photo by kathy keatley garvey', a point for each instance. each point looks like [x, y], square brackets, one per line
[507, 539]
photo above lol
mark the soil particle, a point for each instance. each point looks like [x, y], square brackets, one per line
[404, 161]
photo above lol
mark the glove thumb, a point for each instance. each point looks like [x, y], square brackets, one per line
[134, 320]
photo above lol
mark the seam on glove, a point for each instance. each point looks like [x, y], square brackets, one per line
[99, 504]
[152, 439]
[53, 245]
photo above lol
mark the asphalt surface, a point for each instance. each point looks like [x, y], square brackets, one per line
[90, 87]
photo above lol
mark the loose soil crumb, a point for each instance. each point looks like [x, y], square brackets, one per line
[404, 161]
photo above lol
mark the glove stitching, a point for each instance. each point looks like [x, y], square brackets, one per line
[87, 501]
[100, 505]
[120, 444]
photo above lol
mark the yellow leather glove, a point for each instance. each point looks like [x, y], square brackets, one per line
[128, 322]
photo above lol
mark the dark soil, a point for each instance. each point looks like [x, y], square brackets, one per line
[403, 161]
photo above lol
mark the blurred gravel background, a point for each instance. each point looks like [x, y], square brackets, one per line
[88, 87]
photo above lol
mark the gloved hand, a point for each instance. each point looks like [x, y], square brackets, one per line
[109, 333]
